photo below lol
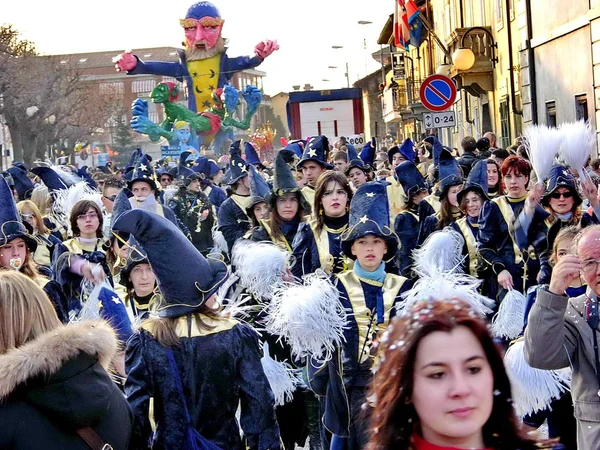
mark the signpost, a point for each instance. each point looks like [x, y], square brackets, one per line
[398, 66]
[446, 119]
[438, 93]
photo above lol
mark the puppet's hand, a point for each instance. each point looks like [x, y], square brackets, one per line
[125, 61]
[265, 48]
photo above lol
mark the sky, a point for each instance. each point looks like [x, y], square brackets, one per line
[305, 30]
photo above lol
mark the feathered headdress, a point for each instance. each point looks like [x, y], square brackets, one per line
[65, 199]
[542, 144]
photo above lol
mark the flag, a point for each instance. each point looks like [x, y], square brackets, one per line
[415, 24]
[401, 29]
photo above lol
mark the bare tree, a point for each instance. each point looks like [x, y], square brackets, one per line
[45, 101]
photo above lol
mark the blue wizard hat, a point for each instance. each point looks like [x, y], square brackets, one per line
[84, 175]
[284, 182]
[135, 255]
[477, 181]
[407, 149]
[251, 155]
[296, 147]
[317, 150]
[410, 178]
[163, 171]
[213, 168]
[9, 179]
[11, 226]
[142, 171]
[437, 149]
[112, 309]
[135, 155]
[183, 291]
[370, 214]
[23, 185]
[367, 154]
[21, 165]
[259, 188]
[357, 164]
[560, 177]
[120, 206]
[237, 167]
[202, 9]
[184, 173]
[50, 178]
[352, 153]
[449, 172]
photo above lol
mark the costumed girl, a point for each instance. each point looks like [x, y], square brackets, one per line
[288, 209]
[442, 384]
[210, 186]
[317, 244]
[495, 187]
[513, 266]
[83, 257]
[407, 222]
[561, 201]
[449, 186]
[369, 295]
[396, 196]
[359, 173]
[46, 240]
[195, 363]
[471, 199]
[17, 249]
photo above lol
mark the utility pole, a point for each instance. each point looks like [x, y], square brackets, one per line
[347, 76]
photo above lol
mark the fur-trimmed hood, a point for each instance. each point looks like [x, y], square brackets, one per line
[45, 356]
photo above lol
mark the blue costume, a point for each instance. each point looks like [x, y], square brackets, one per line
[369, 298]
[198, 383]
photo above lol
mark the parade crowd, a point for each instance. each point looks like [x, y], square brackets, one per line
[137, 303]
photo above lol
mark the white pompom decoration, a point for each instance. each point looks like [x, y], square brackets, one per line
[283, 378]
[508, 323]
[308, 316]
[533, 389]
[579, 140]
[542, 144]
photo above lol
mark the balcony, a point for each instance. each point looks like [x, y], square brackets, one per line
[479, 78]
[401, 101]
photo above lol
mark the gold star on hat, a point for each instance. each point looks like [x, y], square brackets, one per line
[363, 219]
[312, 153]
[370, 194]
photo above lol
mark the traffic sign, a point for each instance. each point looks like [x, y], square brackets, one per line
[445, 119]
[438, 93]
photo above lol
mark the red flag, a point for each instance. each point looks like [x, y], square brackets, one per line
[401, 29]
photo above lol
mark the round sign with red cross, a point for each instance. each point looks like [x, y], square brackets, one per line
[438, 93]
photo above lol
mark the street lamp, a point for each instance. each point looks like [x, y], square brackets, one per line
[337, 47]
[332, 67]
[364, 22]
[464, 58]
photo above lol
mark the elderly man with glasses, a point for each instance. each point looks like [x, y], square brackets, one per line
[563, 332]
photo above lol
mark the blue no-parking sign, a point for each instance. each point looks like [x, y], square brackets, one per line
[438, 93]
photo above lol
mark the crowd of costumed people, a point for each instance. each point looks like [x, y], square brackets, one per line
[402, 295]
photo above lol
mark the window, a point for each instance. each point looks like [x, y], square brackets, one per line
[504, 124]
[551, 113]
[141, 86]
[581, 107]
[111, 88]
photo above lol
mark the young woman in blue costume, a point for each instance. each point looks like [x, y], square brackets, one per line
[513, 265]
[17, 249]
[442, 384]
[450, 185]
[406, 224]
[317, 244]
[495, 187]
[83, 257]
[471, 198]
[561, 200]
[288, 209]
[369, 295]
[196, 364]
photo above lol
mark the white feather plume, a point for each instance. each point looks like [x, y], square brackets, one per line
[169, 192]
[283, 378]
[441, 252]
[259, 265]
[65, 199]
[308, 316]
[542, 144]
[533, 389]
[509, 321]
[438, 265]
[220, 244]
[579, 140]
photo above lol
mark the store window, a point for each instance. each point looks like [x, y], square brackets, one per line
[505, 137]
[581, 107]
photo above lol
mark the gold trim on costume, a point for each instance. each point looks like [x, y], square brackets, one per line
[509, 218]
[471, 244]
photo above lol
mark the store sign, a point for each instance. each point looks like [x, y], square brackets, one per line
[398, 66]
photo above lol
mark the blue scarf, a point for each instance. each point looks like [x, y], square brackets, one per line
[377, 276]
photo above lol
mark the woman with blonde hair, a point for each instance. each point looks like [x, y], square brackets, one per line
[31, 215]
[55, 392]
[17, 248]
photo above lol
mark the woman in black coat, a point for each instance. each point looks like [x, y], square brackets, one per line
[53, 382]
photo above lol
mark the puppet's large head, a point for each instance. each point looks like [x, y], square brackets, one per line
[165, 91]
[203, 25]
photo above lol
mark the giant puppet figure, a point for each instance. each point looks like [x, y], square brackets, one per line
[203, 64]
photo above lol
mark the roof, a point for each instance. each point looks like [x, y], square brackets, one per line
[321, 96]
[104, 59]
[386, 33]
